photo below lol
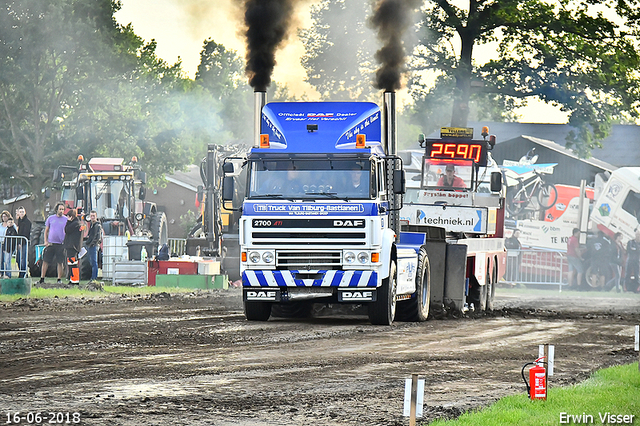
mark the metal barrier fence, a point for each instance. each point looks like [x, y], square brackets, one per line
[18, 247]
[177, 246]
[533, 266]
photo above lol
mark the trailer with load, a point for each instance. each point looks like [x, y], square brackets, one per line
[321, 219]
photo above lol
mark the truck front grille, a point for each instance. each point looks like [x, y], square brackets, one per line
[319, 237]
[310, 260]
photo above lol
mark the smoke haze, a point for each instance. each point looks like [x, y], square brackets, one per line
[268, 23]
[391, 18]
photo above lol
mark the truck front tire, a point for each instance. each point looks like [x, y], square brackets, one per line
[417, 308]
[383, 310]
[257, 311]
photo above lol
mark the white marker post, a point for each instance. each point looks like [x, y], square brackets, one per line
[636, 346]
[547, 351]
[413, 398]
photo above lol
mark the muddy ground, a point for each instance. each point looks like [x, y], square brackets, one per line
[192, 359]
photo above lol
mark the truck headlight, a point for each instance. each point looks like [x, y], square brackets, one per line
[363, 257]
[254, 257]
[267, 257]
[349, 257]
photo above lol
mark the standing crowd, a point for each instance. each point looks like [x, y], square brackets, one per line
[63, 243]
[11, 242]
[63, 235]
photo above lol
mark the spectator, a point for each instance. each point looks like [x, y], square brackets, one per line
[72, 243]
[9, 245]
[600, 261]
[513, 255]
[94, 238]
[24, 230]
[4, 216]
[53, 242]
[449, 179]
[574, 258]
[631, 282]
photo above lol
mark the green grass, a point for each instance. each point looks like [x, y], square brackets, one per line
[49, 293]
[614, 390]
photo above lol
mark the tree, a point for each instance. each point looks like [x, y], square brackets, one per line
[561, 52]
[340, 49]
[221, 74]
[74, 81]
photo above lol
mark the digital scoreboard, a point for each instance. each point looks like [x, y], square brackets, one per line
[458, 145]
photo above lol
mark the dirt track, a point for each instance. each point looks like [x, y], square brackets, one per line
[194, 360]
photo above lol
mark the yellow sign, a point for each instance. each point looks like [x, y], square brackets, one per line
[456, 132]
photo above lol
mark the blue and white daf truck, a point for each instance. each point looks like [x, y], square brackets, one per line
[320, 221]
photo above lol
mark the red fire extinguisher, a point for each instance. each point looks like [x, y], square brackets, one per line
[537, 386]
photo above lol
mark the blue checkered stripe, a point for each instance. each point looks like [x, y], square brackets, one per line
[251, 278]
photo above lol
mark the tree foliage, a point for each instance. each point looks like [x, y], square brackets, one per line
[561, 52]
[340, 49]
[73, 82]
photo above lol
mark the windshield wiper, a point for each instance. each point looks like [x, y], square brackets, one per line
[267, 196]
[328, 194]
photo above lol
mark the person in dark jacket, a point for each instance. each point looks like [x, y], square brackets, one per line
[94, 238]
[24, 230]
[72, 243]
[9, 245]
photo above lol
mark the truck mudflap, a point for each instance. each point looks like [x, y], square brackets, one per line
[329, 278]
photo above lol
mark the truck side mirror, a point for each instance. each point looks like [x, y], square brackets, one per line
[80, 193]
[496, 181]
[227, 168]
[142, 193]
[142, 176]
[227, 188]
[399, 182]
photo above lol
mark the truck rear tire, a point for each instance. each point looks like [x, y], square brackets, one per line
[257, 311]
[417, 308]
[383, 310]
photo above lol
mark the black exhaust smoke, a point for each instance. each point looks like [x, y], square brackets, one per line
[391, 18]
[267, 23]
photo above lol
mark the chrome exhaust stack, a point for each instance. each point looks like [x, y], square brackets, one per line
[390, 122]
[259, 100]
[390, 145]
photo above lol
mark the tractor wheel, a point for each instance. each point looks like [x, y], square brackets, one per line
[85, 267]
[37, 238]
[159, 231]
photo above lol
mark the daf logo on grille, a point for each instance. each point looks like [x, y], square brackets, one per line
[348, 223]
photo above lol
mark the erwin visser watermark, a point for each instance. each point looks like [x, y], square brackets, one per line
[604, 418]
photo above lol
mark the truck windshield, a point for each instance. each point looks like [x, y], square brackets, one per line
[110, 198]
[318, 178]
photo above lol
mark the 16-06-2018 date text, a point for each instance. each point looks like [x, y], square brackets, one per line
[41, 417]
